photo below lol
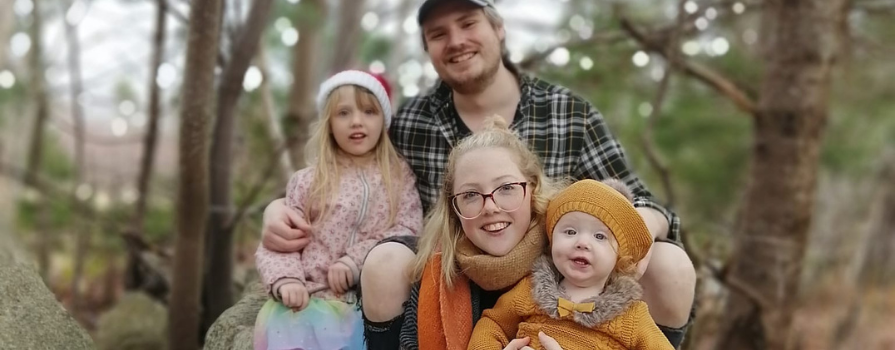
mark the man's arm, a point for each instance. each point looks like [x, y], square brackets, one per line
[603, 157]
[285, 228]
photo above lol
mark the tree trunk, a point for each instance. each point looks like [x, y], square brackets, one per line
[83, 231]
[133, 279]
[304, 83]
[799, 47]
[218, 284]
[151, 137]
[271, 115]
[348, 36]
[6, 25]
[35, 149]
[77, 111]
[398, 51]
[192, 203]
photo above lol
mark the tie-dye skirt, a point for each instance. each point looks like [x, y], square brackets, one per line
[323, 325]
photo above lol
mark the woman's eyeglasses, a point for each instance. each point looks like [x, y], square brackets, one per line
[508, 197]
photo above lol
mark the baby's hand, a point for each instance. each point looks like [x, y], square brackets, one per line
[340, 277]
[294, 295]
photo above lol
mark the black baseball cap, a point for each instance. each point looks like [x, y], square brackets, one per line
[429, 5]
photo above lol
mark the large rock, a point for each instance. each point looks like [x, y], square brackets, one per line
[137, 322]
[30, 316]
[234, 329]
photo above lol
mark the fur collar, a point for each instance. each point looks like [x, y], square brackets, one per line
[617, 296]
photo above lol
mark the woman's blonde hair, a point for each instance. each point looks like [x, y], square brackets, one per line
[322, 153]
[442, 229]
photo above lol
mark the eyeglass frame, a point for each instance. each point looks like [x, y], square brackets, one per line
[485, 197]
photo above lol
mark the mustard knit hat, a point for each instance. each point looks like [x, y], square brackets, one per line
[612, 208]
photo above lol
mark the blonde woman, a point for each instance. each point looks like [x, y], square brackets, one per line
[355, 192]
[480, 238]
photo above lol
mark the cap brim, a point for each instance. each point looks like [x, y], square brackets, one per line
[429, 5]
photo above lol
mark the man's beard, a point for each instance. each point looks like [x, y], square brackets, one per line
[477, 83]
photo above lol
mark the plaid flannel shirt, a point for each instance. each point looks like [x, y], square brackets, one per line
[565, 131]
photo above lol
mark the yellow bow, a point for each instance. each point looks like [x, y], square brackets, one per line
[566, 307]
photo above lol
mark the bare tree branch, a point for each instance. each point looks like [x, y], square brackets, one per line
[875, 7]
[270, 110]
[722, 84]
[602, 38]
[171, 10]
[93, 139]
[398, 52]
[348, 34]
[646, 137]
[748, 291]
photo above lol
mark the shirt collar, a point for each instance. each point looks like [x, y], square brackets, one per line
[443, 94]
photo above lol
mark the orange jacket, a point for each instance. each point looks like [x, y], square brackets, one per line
[619, 320]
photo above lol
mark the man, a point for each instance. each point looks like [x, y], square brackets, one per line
[465, 42]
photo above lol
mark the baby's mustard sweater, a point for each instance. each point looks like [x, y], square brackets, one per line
[619, 320]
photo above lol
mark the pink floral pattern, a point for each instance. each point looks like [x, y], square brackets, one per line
[330, 239]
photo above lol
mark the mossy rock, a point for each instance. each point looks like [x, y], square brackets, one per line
[136, 322]
[30, 316]
[234, 330]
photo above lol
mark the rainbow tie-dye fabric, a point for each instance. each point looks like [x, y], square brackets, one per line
[323, 325]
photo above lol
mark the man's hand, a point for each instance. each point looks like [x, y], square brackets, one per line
[340, 277]
[657, 224]
[644, 263]
[284, 230]
[294, 295]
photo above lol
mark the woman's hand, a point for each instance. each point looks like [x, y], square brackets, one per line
[294, 295]
[518, 344]
[547, 342]
[522, 344]
[284, 230]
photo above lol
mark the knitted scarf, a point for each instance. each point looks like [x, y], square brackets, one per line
[445, 314]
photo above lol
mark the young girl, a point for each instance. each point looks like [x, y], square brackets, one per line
[584, 295]
[355, 192]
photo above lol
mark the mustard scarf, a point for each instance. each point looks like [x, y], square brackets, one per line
[445, 314]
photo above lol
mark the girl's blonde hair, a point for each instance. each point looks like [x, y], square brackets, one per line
[442, 229]
[322, 152]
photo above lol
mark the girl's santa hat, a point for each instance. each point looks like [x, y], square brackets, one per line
[373, 82]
